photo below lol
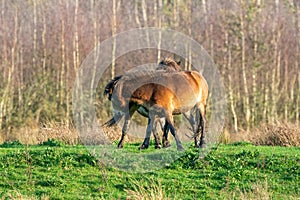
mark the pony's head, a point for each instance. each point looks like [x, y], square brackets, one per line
[109, 88]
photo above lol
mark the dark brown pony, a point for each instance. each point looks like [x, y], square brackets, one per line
[162, 95]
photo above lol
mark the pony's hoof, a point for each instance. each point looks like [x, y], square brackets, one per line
[120, 146]
[158, 146]
[166, 145]
[180, 148]
[202, 144]
[143, 147]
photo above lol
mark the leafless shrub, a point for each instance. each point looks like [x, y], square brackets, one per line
[58, 131]
[276, 134]
[28, 134]
[113, 133]
[271, 134]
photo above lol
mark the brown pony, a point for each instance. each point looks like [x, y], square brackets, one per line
[109, 88]
[162, 95]
[167, 65]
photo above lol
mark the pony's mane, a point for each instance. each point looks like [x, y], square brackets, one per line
[168, 64]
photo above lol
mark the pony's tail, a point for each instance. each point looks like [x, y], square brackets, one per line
[113, 121]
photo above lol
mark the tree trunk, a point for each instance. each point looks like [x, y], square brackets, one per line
[145, 18]
[266, 98]
[243, 63]
[34, 34]
[3, 64]
[76, 58]
[96, 39]
[160, 7]
[189, 24]
[254, 71]
[297, 56]
[276, 69]
[230, 90]
[204, 8]
[114, 32]
[44, 42]
[75, 41]
[63, 61]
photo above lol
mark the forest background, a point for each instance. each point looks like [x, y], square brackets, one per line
[254, 43]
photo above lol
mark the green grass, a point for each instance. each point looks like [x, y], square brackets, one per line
[239, 171]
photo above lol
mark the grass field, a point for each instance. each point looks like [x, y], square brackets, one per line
[237, 171]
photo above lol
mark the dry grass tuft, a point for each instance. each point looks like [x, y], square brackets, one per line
[259, 190]
[225, 137]
[68, 134]
[2, 139]
[271, 134]
[14, 194]
[113, 133]
[90, 136]
[152, 191]
[58, 131]
[26, 135]
[34, 134]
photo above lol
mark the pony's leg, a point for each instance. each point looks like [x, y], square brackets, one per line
[124, 130]
[169, 118]
[156, 136]
[197, 126]
[166, 129]
[193, 124]
[191, 120]
[201, 126]
[161, 123]
[202, 122]
[145, 144]
[132, 109]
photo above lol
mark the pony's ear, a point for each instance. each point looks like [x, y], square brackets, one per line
[178, 62]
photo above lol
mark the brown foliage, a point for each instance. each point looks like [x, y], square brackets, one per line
[58, 131]
[35, 134]
[271, 134]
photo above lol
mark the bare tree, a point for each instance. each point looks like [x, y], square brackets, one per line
[63, 59]
[297, 27]
[116, 7]
[159, 19]
[243, 64]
